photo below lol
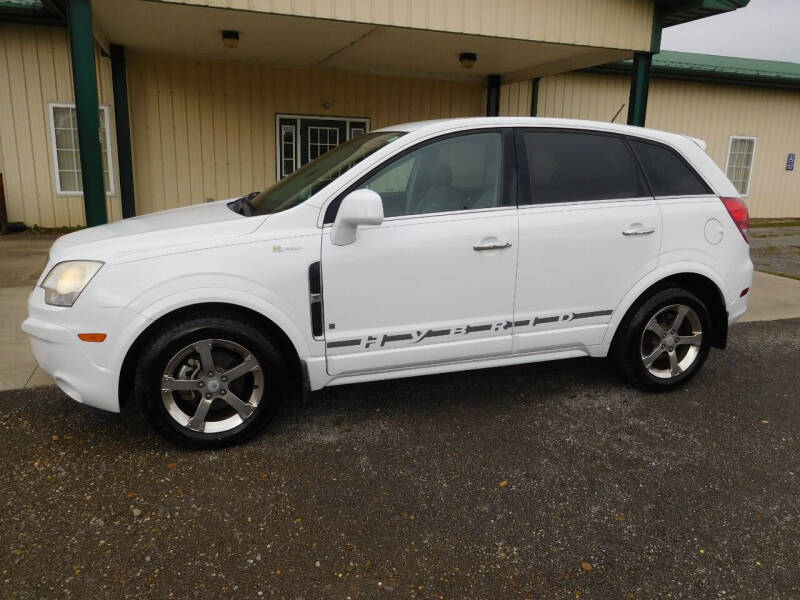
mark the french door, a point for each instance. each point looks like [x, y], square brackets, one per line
[301, 138]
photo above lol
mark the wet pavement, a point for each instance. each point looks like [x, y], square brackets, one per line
[542, 481]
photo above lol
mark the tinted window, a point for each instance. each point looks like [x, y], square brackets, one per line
[668, 173]
[570, 167]
[456, 173]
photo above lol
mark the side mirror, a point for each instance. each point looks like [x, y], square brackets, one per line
[361, 207]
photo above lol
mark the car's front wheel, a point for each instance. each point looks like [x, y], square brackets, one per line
[208, 382]
[664, 341]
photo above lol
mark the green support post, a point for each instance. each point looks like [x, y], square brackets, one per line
[640, 84]
[123, 128]
[493, 95]
[640, 74]
[535, 96]
[81, 44]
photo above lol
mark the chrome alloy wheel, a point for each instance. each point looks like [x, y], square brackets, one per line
[212, 385]
[671, 341]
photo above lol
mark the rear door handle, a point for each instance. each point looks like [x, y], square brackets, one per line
[638, 230]
[491, 246]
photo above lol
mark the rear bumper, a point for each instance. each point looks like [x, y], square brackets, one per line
[737, 308]
[744, 276]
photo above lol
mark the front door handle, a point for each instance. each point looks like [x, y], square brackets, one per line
[637, 229]
[491, 246]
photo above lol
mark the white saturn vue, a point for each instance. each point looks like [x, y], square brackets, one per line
[421, 248]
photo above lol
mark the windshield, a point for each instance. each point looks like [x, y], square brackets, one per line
[303, 183]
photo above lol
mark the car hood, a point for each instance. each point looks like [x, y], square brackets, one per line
[179, 229]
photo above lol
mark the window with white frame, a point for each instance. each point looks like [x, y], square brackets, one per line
[741, 154]
[287, 149]
[320, 140]
[66, 151]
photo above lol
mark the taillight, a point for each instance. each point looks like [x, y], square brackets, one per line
[737, 209]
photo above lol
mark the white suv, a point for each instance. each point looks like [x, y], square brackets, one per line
[422, 248]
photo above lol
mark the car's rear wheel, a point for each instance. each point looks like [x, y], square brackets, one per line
[664, 341]
[210, 382]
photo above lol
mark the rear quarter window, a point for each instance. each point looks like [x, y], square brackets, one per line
[667, 173]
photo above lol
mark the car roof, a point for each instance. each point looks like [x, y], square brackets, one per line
[443, 125]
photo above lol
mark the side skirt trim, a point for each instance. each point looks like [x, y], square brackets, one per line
[468, 365]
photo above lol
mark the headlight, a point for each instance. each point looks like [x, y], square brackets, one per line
[65, 282]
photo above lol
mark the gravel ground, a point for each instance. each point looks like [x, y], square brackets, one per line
[545, 481]
[776, 250]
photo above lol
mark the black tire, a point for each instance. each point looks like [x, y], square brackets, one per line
[176, 338]
[628, 346]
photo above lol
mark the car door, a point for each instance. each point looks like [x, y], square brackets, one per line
[589, 230]
[434, 283]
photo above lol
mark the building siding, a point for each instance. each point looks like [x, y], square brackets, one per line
[624, 24]
[515, 99]
[711, 112]
[207, 130]
[35, 70]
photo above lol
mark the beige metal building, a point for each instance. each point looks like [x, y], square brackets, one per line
[747, 111]
[113, 108]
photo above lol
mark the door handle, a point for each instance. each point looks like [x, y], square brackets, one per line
[638, 230]
[491, 246]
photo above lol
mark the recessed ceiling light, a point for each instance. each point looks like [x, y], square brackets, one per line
[230, 38]
[467, 59]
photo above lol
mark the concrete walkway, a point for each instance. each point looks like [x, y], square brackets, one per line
[773, 298]
[22, 259]
[18, 368]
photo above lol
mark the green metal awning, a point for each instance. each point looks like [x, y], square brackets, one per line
[717, 69]
[675, 12]
[36, 12]
[21, 4]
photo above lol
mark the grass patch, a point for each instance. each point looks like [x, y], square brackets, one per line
[36, 230]
[787, 275]
[756, 223]
[774, 235]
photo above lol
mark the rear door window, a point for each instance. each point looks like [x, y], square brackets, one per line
[572, 166]
[667, 173]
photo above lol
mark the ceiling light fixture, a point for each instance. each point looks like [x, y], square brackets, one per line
[230, 38]
[467, 59]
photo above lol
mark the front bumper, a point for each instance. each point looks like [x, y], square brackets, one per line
[87, 372]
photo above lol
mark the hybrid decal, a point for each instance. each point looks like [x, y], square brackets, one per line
[379, 341]
[278, 248]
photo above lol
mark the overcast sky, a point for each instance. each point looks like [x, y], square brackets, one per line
[768, 29]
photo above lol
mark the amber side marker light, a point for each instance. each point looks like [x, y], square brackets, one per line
[92, 337]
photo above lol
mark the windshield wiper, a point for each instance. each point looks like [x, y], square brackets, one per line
[243, 205]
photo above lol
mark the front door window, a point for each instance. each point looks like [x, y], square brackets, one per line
[301, 139]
